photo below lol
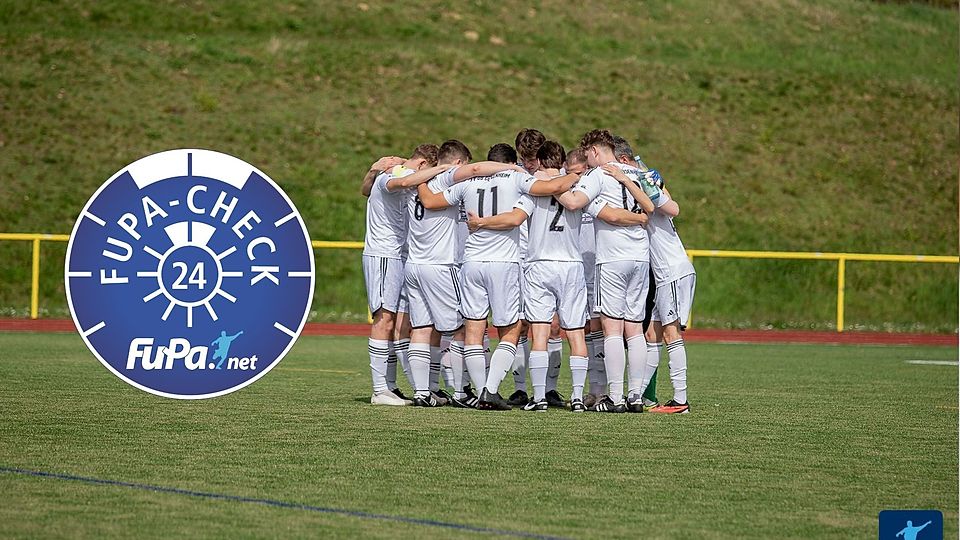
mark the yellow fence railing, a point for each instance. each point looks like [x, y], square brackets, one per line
[841, 259]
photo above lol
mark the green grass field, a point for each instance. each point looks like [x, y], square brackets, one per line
[785, 441]
[822, 125]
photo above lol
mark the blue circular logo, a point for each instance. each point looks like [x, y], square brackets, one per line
[189, 274]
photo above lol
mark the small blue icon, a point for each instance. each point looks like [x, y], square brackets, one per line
[911, 525]
[222, 344]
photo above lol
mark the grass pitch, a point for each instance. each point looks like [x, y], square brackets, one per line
[784, 441]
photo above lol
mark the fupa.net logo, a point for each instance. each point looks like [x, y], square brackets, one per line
[189, 274]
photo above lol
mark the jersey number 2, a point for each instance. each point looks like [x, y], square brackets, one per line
[555, 224]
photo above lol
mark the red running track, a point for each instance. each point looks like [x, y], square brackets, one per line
[697, 334]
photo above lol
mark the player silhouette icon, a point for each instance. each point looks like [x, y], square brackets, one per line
[910, 532]
[223, 346]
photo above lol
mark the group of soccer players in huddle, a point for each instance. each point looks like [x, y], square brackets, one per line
[535, 240]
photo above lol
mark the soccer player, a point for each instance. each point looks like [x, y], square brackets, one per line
[622, 258]
[527, 143]
[400, 339]
[675, 280]
[625, 154]
[384, 241]
[433, 276]
[576, 163]
[554, 282]
[490, 275]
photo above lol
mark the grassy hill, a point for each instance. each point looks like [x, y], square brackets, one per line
[828, 125]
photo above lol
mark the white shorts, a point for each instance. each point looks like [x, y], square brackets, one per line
[403, 305]
[621, 289]
[384, 279]
[556, 287]
[674, 300]
[434, 296]
[491, 287]
[523, 288]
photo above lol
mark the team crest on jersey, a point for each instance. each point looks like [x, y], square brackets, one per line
[189, 274]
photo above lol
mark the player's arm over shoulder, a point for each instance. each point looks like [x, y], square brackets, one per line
[482, 168]
[667, 205]
[555, 186]
[415, 179]
[442, 199]
[500, 222]
[582, 193]
[616, 216]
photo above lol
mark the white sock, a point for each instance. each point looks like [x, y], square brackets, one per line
[486, 353]
[400, 347]
[677, 354]
[588, 337]
[420, 366]
[379, 351]
[636, 361]
[598, 371]
[578, 372]
[391, 367]
[614, 360]
[520, 364]
[539, 364]
[555, 350]
[456, 362]
[651, 365]
[500, 363]
[435, 353]
[445, 362]
[474, 360]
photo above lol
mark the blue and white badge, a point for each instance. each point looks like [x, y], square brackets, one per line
[189, 274]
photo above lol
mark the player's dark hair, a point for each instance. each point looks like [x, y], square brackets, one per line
[551, 155]
[597, 137]
[428, 152]
[576, 155]
[528, 141]
[621, 147]
[452, 150]
[502, 153]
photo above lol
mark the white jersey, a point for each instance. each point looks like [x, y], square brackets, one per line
[432, 235]
[386, 234]
[668, 258]
[488, 196]
[524, 241]
[588, 240]
[614, 243]
[462, 232]
[554, 232]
